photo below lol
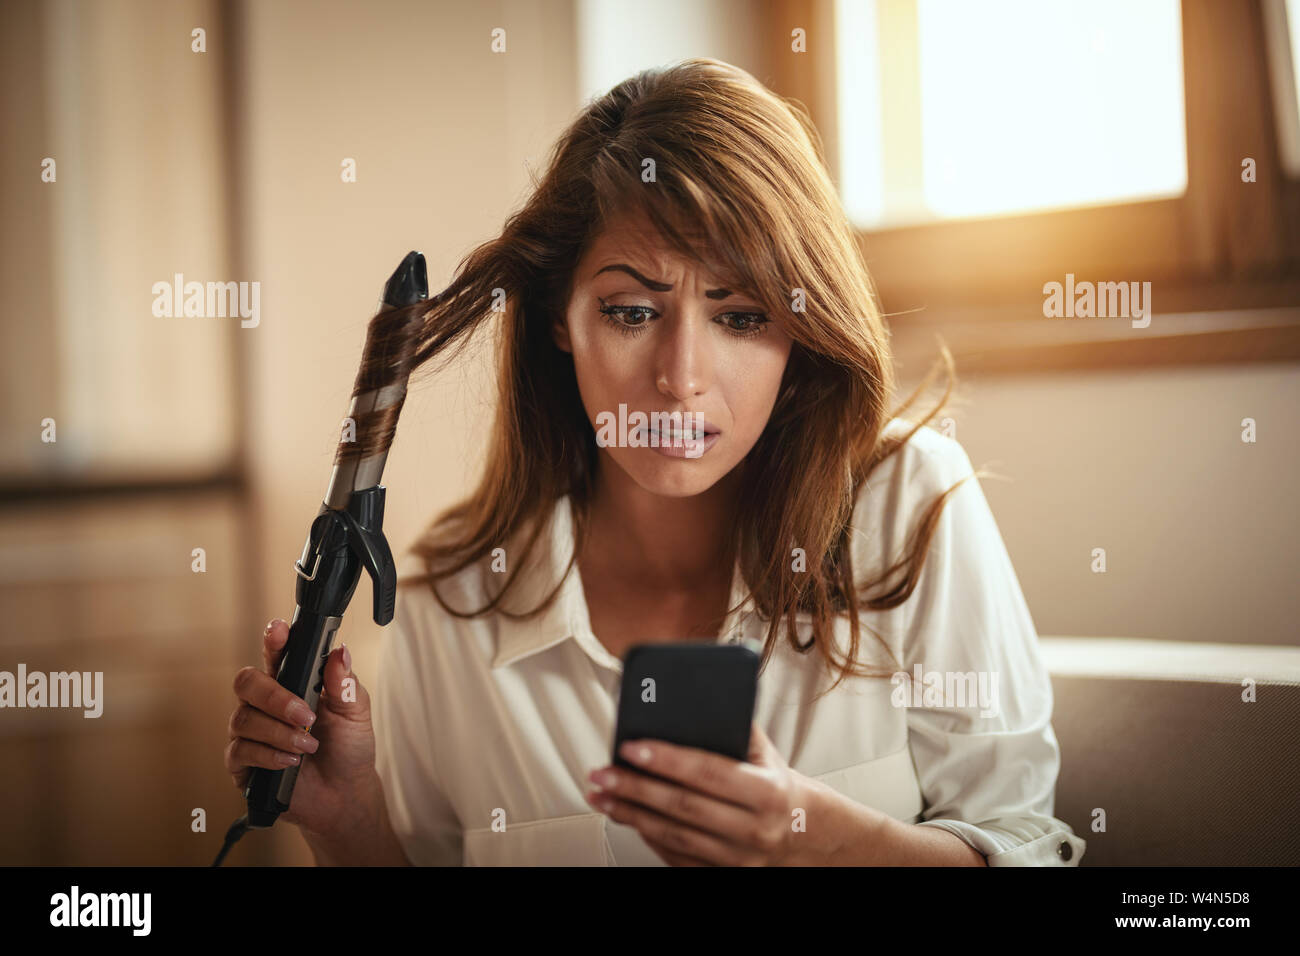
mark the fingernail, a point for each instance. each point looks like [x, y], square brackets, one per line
[287, 759]
[306, 742]
[347, 659]
[637, 753]
[270, 624]
[302, 715]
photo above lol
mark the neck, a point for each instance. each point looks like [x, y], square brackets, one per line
[661, 543]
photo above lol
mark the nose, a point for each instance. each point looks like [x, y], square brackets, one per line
[683, 362]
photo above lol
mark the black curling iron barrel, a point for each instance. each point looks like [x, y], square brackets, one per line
[346, 536]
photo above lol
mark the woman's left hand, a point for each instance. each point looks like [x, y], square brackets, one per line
[711, 810]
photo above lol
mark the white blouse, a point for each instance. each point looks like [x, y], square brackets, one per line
[487, 728]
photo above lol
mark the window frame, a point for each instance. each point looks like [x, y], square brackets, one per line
[1223, 259]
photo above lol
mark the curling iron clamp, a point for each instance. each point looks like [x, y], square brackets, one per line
[347, 533]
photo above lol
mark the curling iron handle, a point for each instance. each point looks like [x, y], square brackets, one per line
[302, 672]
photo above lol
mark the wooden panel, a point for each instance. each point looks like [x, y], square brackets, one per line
[108, 587]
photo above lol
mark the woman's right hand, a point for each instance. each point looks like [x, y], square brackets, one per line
[337, 774]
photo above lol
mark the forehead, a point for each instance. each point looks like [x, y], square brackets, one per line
[632, 238]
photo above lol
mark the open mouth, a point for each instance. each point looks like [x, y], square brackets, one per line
[673, 437]
[694, 428]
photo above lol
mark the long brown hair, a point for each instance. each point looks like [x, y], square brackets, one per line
[748, 167]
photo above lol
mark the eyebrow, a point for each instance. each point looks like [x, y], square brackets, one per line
[655, 286]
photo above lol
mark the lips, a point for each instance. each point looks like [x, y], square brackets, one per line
[708, 429]
[683, 436]
[683, 447]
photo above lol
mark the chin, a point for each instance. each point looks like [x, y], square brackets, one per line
[669, 477]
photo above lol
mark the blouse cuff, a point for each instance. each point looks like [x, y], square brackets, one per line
[1057, 847]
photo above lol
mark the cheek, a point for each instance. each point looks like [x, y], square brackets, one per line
[601, 367]
[752, 382]
[604, 362]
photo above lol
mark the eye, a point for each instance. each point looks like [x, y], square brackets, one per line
[751, 323]
[627, 319]
[635, 319]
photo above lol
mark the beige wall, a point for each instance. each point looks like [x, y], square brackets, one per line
[1199, 528]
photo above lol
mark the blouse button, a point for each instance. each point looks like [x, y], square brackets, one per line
[1065, 851]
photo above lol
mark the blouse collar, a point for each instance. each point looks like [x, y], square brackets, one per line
[567, 616]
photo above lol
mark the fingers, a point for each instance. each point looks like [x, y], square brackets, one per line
[273, 644]
[661, 831]
[252, 724]
[344, 694]
[733, 781]
[268, 728]
[242, 754]
[681, 805]
[261, 690]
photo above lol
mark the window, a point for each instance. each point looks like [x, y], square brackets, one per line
[1282, 34]
[954, 110]
[986, 149]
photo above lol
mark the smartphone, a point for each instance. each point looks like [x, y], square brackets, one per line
[695, 695]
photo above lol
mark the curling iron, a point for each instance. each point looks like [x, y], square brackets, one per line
[347, 533]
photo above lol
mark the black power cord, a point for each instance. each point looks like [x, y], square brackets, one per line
[237, 830]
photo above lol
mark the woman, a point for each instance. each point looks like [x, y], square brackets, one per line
[685, 252]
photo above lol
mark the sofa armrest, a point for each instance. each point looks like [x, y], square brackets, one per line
[1189, 753]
